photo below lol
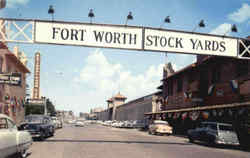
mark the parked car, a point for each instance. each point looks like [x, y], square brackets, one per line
[56, 122]
[12, 141]
[214, 133]
[139, 124]
[79, 124]
[160, 127]
[39, 126]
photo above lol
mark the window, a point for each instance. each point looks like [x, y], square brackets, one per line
[11, 124]
[216, 74]
[1, 64]
[179, 84]
[170, 87]
[3, 123]
[242, 68]
[226, 128]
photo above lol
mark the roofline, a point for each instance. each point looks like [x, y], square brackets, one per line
[181, 70]
[18, 62]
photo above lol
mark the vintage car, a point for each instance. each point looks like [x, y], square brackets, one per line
[57, 122]
[79, 123]
[39, 126]
[214, 133]
[160, 127]
[12, 141]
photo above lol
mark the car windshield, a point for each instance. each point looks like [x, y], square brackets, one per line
[226, 128]
[35, 119]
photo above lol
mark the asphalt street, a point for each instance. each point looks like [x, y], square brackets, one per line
[97, 141]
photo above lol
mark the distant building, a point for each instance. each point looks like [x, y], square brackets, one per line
[84, 115]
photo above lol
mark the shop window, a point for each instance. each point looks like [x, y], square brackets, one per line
[191, 77]
[1, 64]
[216, 74]
[179, 84]
[242, 67]
[170, 87]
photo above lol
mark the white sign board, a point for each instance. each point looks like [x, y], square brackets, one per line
[182, 42]
[134, 38]
[88, 35]
[36, 101]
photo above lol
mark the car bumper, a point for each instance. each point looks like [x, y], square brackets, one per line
[164, 131]
[226, 143]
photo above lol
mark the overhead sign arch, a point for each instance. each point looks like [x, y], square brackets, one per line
[121, 37]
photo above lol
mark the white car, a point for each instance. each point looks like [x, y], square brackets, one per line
[12, 141]
[79, 124]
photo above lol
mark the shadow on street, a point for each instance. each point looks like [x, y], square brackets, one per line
[111, 141]
[221, 146]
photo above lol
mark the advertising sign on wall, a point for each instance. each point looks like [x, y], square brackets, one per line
[12, 79]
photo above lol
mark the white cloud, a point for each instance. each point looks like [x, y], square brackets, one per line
[105, 79]
[14, 3]
[222, 29]
[241, 15]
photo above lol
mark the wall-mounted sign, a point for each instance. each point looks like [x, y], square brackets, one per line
[92, 35]
[12, 79]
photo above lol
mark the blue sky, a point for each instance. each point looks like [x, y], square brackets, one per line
[80, 78]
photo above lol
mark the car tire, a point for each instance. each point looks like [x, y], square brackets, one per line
[190, 139]
[22, 154]
[42, 136]
[149, 132]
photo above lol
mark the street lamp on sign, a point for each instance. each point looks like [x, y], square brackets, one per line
[129, 17]
[91, 15]
[201, 24]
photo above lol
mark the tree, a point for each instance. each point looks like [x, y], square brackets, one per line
[39, 108]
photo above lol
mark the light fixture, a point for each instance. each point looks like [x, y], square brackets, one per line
[129, 17]
[91, 15]
[51, 11]
[201, 24]
[166, 20]
[232, 29]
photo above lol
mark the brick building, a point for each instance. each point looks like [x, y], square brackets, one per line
[211, 89]
[12, 97]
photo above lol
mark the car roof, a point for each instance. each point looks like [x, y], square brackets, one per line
[217, 123]
[160, 121]
[5, 116]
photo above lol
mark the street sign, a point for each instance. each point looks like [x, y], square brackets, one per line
[190, 43]
[122, 37]
[11, 78]
[36, 101]
[93, 35]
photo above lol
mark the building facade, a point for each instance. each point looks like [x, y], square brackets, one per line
[117, 109]
[12, 97]
[211, 89]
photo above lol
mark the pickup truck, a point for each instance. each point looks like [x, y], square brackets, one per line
[12, 141]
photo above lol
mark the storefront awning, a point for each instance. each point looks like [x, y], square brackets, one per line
[211, 107]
